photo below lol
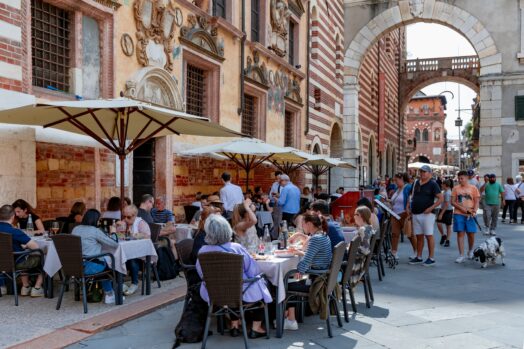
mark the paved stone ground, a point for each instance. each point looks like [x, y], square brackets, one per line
[38, 316]
[445, 306]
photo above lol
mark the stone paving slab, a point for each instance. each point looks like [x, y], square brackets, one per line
[446, 306]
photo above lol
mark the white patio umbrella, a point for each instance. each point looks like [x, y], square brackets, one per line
[121, 124]
[248, 153]
[289, 166]
[418, 165]
[318, 165]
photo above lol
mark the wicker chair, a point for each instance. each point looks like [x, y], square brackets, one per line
[189, 211]
[294, 297]
[9, 259]
[155, 236]
[69, 249]
[365, 279]
[347, 271]
[377, 251]
[183, 250]
[222, 274]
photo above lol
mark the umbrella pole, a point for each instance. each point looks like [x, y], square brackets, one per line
[247, 179]
[122, 177]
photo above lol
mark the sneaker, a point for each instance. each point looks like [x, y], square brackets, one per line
[37, 292]
[492, 232]
[131, 289]
[470, 255]
[125, 288]
[429, 262]
[109, 298]
[290, 325]
[446, 244]
[25, 291]
[487, 231]
[503, 221]
[416, 260]
[3, 289]
[460, 259]
[443, 239]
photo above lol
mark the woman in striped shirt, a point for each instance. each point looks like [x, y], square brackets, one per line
[318, 255]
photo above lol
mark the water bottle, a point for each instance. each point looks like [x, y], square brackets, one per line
[267, 241]
[30, 228]
[283, 234]
[341, 217]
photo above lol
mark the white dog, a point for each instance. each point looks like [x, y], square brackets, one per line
[489, 250]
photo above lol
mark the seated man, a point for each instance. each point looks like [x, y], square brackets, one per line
[21, 241]
[160, 213]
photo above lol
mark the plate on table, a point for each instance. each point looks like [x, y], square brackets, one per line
[283, 253]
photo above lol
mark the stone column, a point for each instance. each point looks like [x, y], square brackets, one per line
[490, 142]
[520, 55]
[350, 135]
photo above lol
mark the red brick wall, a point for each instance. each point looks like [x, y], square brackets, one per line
[11, 51]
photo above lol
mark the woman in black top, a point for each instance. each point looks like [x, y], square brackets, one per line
[22, 212]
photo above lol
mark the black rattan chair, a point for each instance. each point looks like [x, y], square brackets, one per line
[183, 250]
[222, 274]
[347, 272]
[377, 251]
[189, 211]
[9, 259]
[331, 274]
[69, 249]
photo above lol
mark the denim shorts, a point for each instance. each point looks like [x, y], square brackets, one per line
[463, 223]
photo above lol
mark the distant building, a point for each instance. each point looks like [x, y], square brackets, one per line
[425, 117]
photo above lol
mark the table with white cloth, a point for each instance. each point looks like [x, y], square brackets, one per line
[349, 233]
[184, 231]
[51, 262]
[275, 269]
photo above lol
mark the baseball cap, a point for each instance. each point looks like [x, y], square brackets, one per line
[492, 175]
[426, 168]
[471, 172]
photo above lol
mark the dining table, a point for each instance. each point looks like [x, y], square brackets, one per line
[349, 233]
[275, 268]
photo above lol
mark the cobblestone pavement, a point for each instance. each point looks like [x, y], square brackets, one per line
[38, 316]
[445, 306]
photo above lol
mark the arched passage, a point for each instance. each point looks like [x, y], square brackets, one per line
[440, 12]
[336, 146]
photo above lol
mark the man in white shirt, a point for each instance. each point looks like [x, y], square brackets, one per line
[230, 195]
[519, 193]
[277, 211]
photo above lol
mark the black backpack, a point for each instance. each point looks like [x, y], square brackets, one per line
[168, 267]
[190, 328]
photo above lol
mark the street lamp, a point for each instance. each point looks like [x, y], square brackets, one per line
[458, 123]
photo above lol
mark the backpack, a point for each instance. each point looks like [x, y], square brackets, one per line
[190, 328]
[168, 267]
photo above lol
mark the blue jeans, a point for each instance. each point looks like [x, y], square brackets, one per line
[91, 268]
[134, 267]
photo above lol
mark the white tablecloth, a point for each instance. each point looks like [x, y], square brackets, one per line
[52, 263]
[184, 231]
[349, 234]
[275, 270]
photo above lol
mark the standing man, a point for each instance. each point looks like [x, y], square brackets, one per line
[425, 197]
[230, 195]
[519, 193]
[465, 198]
[274, 192]
[483, 202]
[472, 180]
[494, 195]
[289, 199]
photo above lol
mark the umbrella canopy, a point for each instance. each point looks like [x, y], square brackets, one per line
[318, 165]
[290, 165]
[121, 124]
[418, 165]
[248, 153]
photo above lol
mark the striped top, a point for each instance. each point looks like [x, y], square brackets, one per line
[318, 254]
[163, 216]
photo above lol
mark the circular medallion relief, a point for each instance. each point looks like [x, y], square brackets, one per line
[127, 44]
[179, 17]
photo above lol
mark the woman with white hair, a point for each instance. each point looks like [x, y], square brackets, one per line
[218, 239]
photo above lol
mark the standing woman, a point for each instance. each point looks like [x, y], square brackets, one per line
[445, 215]
[510, 197]
[22, 212]
[398, 202]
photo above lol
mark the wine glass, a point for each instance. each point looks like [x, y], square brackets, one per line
[55, 227]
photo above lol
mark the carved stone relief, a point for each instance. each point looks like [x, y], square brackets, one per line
[280, 13]
[156, 24]
[203, 36]
[416, 7]
[256, 71]
[293, 90]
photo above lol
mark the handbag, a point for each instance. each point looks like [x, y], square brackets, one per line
[94, 293]
[408, 226]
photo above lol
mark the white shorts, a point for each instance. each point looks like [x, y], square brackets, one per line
[423, 224]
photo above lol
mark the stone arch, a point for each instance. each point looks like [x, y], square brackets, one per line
[155, 85]
[372, 159]
[336, 143]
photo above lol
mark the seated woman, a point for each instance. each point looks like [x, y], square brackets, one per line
[243, 222]
[137, 228]
[200, 235]
[375, 223]
[365, 231]
[22, 212]
[92, 241]
[318, 255]
[77, 212]
[218, 237]
[113, 208]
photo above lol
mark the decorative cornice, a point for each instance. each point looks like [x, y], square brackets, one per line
[255, 71]
[258, 47]
[296, 7]
[202, 36]
[112, 4]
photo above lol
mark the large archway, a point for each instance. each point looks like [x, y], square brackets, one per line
[434, 11]
[336, 148]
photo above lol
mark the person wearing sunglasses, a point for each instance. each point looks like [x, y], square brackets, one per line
[136, 227]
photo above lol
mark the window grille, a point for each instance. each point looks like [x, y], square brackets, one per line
[248, 116]
[291, 38]
[195, 90]
[289, 139]
[50, 27]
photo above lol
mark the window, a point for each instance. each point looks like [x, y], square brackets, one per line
[248, 116]
[417, 135]
[291, 39]
[219, 8]
[318, 98]
[519, 107]
[521, 166]
[425, 135]
[289, 137]
[50, 27]
[436, 135]
[425, 107]
[255, 20]
[195, 90]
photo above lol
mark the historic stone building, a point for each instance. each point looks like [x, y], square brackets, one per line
[424, 122]
[380, 123]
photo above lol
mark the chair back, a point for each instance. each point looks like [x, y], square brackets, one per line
[183, 250]
[380, 240]
[372, 243]
[69, 249]
[222, 274]
[336, 263]
[352, 256]
[7, 262]
[155, 231]
[189, 211]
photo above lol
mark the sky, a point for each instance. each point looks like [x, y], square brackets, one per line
[425, 40]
